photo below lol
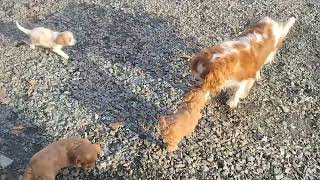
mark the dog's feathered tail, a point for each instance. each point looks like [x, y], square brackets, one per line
[25, 30]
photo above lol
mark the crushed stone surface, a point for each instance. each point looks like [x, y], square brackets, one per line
[127, 68]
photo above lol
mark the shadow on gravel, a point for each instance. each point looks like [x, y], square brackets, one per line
[121, 59]
[8, 31]
[19, 140]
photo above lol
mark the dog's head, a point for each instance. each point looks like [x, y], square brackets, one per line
[200, 64]
[163, 127]
[194, 67]
[85, 155]
[65, 39]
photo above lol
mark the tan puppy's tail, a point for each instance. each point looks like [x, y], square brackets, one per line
[27, 174]
[287, 26]
[25, 30]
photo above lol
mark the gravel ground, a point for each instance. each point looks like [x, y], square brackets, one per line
[127, 68]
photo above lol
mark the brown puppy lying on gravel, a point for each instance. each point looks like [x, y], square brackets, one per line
[45, 164]
[174, 127]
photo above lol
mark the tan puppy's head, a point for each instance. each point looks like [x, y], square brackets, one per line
[65, 39]
[85, 155]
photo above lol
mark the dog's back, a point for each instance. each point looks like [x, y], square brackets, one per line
[43, 37]
[238, 62]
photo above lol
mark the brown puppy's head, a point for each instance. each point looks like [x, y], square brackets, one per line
[85, 155]
[163, 127]
[166, 133]
[65, 39]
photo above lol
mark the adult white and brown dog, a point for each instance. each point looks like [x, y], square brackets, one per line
[237, 63]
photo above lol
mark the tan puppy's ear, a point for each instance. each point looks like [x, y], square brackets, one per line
[62, 39]
[65, 39]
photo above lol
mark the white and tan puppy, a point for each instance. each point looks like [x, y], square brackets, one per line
[238, 62]
[47, 38]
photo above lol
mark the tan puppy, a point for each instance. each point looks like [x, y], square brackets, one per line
[47, 38]
[237, 63]
[45, 164]
[174, 127]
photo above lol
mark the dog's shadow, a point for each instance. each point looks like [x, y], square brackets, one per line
[9, 33]
[126, 63]
[19, 139]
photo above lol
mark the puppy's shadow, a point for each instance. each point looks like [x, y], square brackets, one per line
[9, 33]
[20, 138]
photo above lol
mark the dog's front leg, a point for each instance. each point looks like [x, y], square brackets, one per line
[60, 52]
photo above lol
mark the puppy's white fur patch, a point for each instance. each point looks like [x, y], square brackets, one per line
[200, 68]
[215, 57]
[228, 47]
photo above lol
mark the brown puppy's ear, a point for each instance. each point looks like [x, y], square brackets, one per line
[74, 156]
[71, 156]
[77, 161]
[162, 122]
[97, 146]
[98, 149]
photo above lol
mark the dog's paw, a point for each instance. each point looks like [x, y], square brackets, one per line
[244, 95]
[258, 76]
[172, 148]
[66, 57]
[232, 103]
[32, 46]
[189, 135]
[292, 19]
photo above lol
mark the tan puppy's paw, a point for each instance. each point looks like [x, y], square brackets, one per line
[232, 103]
[172, 148]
